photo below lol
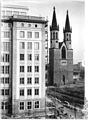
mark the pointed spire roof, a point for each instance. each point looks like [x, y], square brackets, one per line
[54, 21]
[67, 24]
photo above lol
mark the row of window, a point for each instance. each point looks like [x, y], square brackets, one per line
[5, 105]
[29, 34]
[29, 57]
[5, 69]
[54, 35]
[21, 92]
[6, 46]
[29, 45]
[29, 92]
[29, 80]
[29, 25]
[5, 57]
[29, 105]
[5, 80]
[10, 13]
[29, 68]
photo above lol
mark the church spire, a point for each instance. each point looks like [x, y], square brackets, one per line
[67, 24]
[54, 21]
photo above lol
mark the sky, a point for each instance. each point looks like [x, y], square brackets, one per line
[76, 13]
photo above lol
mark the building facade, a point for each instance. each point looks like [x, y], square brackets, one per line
[60, 54]
[78, 72]
[23, 40]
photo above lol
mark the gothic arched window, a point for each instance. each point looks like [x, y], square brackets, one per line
[53, 35]
[63, 53]
[56, 35]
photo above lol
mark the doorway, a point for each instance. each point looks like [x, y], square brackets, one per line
[64, 79]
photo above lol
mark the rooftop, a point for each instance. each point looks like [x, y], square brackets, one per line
[15, 7]
[24, 18]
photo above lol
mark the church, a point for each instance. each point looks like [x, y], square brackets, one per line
[60, 53]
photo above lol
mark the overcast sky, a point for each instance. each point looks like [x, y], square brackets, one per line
[76, 15]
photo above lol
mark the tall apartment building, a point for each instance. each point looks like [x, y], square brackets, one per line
[23, 40]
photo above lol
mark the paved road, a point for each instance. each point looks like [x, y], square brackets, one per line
[70, 112]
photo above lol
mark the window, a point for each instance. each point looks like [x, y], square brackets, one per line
[35, 25]
[29, 69]
[37, 104]
[69, 36]
[22, 80]
[2, 92]
[36, 80]
[6, 69]
[29, 45]
[46, 76]
[2, 80]
[21, 68]
[29, 34]
[6, 91]
[56, 35]
[21, 56]
[6, 34]
[36, 46]
[5, 58]
[36, 68]
[29, 80]
[36, 91]
[36, 34]
[29, 57]
[36, 57]
[46, 67]
[22, 92]
[29, 91]
[53, 35]
[22, 34]
[21, 105]
[7, 80]
[22, 24]
[63, 53]
[29, 105]
[22, 45]
[4, 105]
[6, 46]
[2, 69]
[29, 25]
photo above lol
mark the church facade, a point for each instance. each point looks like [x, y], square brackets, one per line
[60, 54]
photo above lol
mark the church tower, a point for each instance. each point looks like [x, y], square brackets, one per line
[60, 54]
[54, 28]
[67, 32]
